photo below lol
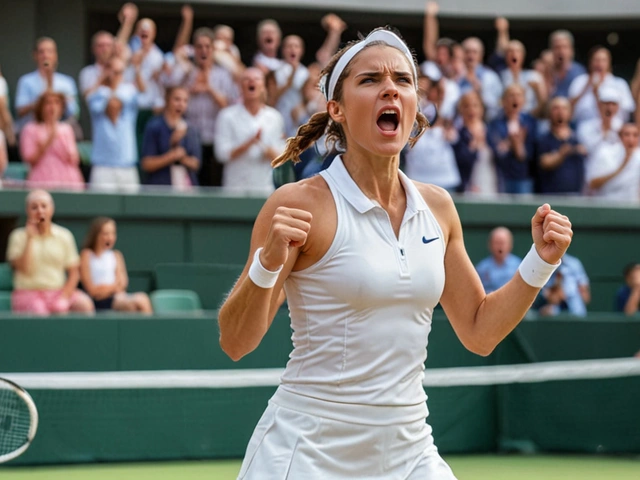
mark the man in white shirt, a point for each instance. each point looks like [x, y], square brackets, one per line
[614, 172]
[269, 36]
[248, 137]
[45, 77]
[602, 131]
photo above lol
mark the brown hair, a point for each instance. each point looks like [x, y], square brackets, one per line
[169, 91]
[321, 122]
[94, 231]
[38, 109]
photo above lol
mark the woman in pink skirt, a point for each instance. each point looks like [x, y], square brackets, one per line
[49, 146]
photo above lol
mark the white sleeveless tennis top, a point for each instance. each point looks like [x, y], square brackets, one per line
[103, 268]
[361, 315]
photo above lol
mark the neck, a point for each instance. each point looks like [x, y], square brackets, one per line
[606, 123]
[269, 52]
[44, 228]
[377, 176]
[171, 118]
[253, 106]
[98, 250]
[561, 130]
[513, 115]
[45, 71]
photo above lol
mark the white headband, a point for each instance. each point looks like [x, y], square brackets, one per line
[328, 85]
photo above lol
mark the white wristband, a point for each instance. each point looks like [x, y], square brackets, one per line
[534, 270]
[259, 275]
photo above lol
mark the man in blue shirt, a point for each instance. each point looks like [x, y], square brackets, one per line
[561, 155]
[567, 290]
[628, 296]
[512, 138]
[32, 85]
[565, 70]
[501, 266]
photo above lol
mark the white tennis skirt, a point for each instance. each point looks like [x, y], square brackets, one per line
[293, 445]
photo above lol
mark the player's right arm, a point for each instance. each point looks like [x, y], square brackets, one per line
[281, 229]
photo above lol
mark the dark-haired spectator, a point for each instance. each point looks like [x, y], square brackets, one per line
[103, 271]
[114, 109]
[104, 46]
[45, 263]
[473, 155]
[435, 49]
[248, 137]
[584, 89]
[49, 147]
[614, 171]
[480, 78]
[564, 69]
[628, 295]
[604, 130]
[268, 35]
[561, 156]
[512, 138]
[498, 268]
[532, 82]
[211, 88]
[171, 149]
[285, 84]
[567, 291]
[45, 77]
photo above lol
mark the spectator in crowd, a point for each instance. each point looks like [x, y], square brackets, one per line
[6, 120]
[103, 272]
[568, 290]
[225, 52]
[104, 46]
[4, 160]
[285, 85]
[249, 136]
[564, 69]
[604, 130]
[211, 88]
[614, 171]
[431, 159]
[171, 149]
[269, 36]
[45, 263]
[544, 66]
[501, 265]
[441, 51]
[114, 156]
[512, 139]
[561, 156]
[628, 295]
[584, 88]
[49, 147]
[474, 157]
[480, 78]
[45, 77]
[530, 80]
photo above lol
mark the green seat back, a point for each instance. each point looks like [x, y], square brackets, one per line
[169, 301]
[16, 171]
[84, 150]
[5, 301]
[6, 277]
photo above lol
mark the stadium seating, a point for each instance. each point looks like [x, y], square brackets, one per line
[6, 277]
[16, 171]
[209, 280]
[5, 301]
[172, 301]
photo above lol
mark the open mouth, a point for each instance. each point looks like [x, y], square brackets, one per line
[107, 244]
[268, 40]
[252, 88]
[388, 121]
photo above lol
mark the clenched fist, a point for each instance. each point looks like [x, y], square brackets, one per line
[289, 229]
[551, 233]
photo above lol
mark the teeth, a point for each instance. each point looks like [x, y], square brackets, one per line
[392, 112]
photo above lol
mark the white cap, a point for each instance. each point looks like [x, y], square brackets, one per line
[607, 93]
[431, 71]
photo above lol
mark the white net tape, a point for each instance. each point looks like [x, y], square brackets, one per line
[270, 377]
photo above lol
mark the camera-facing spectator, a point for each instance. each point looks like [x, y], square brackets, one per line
[284, 85]
[534, 85]
[473, 155]
[249, 136]
[114, 109]
[512, 138]
[564, 69]
[584, 89]
[481, 78]
[628, 295]
[6, 120]
[32, 85]
[225, 52]
[604, 130]
[49, 147]
[567, 291]
[171, 149]
[561, 155]
[45, 263]
[4, 157]
[614, 171]
[103, 271]
[501, 265]
[269, 36]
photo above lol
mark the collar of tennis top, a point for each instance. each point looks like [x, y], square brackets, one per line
[328, 82]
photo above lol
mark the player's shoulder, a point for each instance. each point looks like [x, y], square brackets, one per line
[437, 198]
[310, 194]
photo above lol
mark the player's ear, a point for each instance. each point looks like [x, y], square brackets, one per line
[335, 111]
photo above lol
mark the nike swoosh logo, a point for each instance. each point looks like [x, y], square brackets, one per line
[429, 240]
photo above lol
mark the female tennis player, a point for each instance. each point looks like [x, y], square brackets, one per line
[364, 255]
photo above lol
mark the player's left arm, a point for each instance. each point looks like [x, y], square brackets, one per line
[482, 321]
